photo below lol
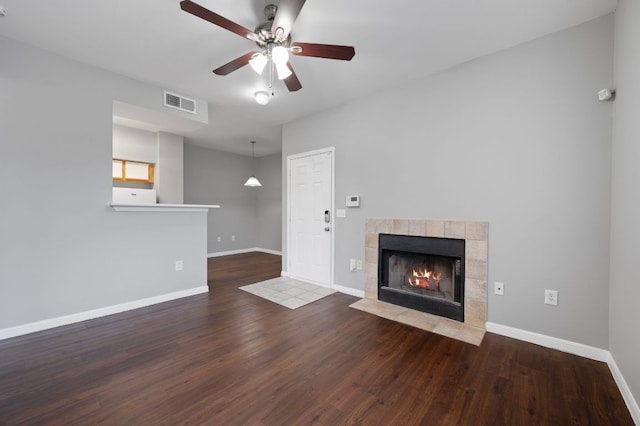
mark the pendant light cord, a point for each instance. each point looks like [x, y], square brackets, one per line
[253, 158]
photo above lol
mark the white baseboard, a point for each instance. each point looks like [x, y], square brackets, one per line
[350, 291]
[230, 252]
[342, 289]
[33, 327]
[269, 251]
[575, 349]
[632, 404]
[550, 342]
[247, 250]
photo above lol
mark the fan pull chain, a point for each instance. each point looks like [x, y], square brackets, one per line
[270, 73]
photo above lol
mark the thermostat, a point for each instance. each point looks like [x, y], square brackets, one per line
[353, 201]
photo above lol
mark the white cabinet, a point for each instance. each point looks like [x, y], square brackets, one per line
[118, 170]
[134, 196]
[137, 171]
[132, 171]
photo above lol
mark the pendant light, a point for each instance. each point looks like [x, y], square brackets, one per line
[253, 181]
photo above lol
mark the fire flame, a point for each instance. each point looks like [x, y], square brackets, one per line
[424, 278]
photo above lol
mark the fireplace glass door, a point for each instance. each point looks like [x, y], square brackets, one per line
[426, 275]
[422, 273]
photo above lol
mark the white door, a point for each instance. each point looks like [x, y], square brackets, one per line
[310, 197]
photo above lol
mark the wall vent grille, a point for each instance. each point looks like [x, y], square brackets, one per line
[172, 100]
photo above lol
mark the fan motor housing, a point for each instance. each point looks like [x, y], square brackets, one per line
[264, 29]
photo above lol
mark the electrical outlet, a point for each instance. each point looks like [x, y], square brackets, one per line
[498, 288]
[233, 238]
[219, 239]
[359, 265]
[179, 265]
[551, 297]
[352, 265]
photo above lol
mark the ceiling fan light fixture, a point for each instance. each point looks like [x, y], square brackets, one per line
[274, 39]
[283, 71]
[280, 55]
[258, 62]
[262, 97]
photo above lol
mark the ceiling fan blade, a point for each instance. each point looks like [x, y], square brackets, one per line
[214, 18]
[292, 82]
[329, 51]
[288, 11]
[234, 65]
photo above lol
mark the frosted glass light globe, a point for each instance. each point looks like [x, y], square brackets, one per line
[280, 55]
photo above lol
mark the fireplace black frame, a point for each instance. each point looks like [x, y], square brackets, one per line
[389, 244]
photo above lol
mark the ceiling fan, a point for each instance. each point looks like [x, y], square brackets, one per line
[274, 39]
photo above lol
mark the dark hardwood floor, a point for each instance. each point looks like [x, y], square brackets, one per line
[230, 358]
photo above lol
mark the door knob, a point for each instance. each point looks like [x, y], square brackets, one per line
[326, 228]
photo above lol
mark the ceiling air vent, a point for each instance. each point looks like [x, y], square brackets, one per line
[179, 102]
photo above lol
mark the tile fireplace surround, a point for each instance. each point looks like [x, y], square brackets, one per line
[475, 235]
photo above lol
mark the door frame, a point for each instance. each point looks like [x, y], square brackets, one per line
[290, 158]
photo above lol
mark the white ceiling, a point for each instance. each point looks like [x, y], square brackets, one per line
[396, 42]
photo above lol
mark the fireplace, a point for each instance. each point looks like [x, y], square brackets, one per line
[473, 297]
[422, 273]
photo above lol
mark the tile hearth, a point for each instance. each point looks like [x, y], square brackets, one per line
[475, 235]
[422, 320]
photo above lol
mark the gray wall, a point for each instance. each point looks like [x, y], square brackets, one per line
[216, 177]
[269, 208]
[62, 250]
[516, 138]
[169, 180]
[625, 205]
[134, 144]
